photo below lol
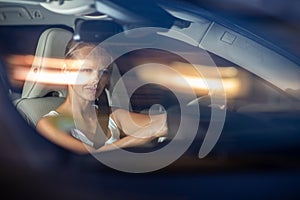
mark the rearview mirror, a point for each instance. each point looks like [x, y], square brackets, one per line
[96, 30]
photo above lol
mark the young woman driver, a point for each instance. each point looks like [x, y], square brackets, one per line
[77, 124]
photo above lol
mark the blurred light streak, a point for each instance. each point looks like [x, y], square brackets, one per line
[44, 70]
[200, 84]
[63, 72]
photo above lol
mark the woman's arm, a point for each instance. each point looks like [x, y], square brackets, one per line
[139, 128]
[46, 126]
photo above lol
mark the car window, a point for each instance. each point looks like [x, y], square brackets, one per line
[243, 88]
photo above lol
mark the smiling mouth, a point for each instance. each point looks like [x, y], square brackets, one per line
[91, 89]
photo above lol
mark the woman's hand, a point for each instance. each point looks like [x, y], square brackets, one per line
[139, 129]
[154, 129]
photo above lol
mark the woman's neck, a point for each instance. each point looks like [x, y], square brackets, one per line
[75, 105]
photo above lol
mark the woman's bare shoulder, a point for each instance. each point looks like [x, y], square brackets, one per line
[53, 120]
[46, 121]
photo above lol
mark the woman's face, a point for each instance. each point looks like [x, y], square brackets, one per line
[92, 73]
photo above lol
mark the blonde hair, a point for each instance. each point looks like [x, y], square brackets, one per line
[84, 50]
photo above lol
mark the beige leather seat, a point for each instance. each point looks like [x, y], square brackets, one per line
[37, 98]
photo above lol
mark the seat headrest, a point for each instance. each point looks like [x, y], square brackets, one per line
[52, 44]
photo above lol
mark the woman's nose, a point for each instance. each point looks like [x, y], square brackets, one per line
[95, 76]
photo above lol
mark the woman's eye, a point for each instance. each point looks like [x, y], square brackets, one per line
[86, 70]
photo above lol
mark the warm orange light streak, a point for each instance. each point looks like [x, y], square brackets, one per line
[63, 72]
[20, 59]
[45, 70]
[209, 79]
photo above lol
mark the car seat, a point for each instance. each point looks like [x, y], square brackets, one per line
[38, 98]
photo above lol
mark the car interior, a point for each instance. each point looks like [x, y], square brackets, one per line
[256, 66]
[259, 97]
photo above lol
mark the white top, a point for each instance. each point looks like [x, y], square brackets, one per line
[76, 133]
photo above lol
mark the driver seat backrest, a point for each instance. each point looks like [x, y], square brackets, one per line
[39, 98]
